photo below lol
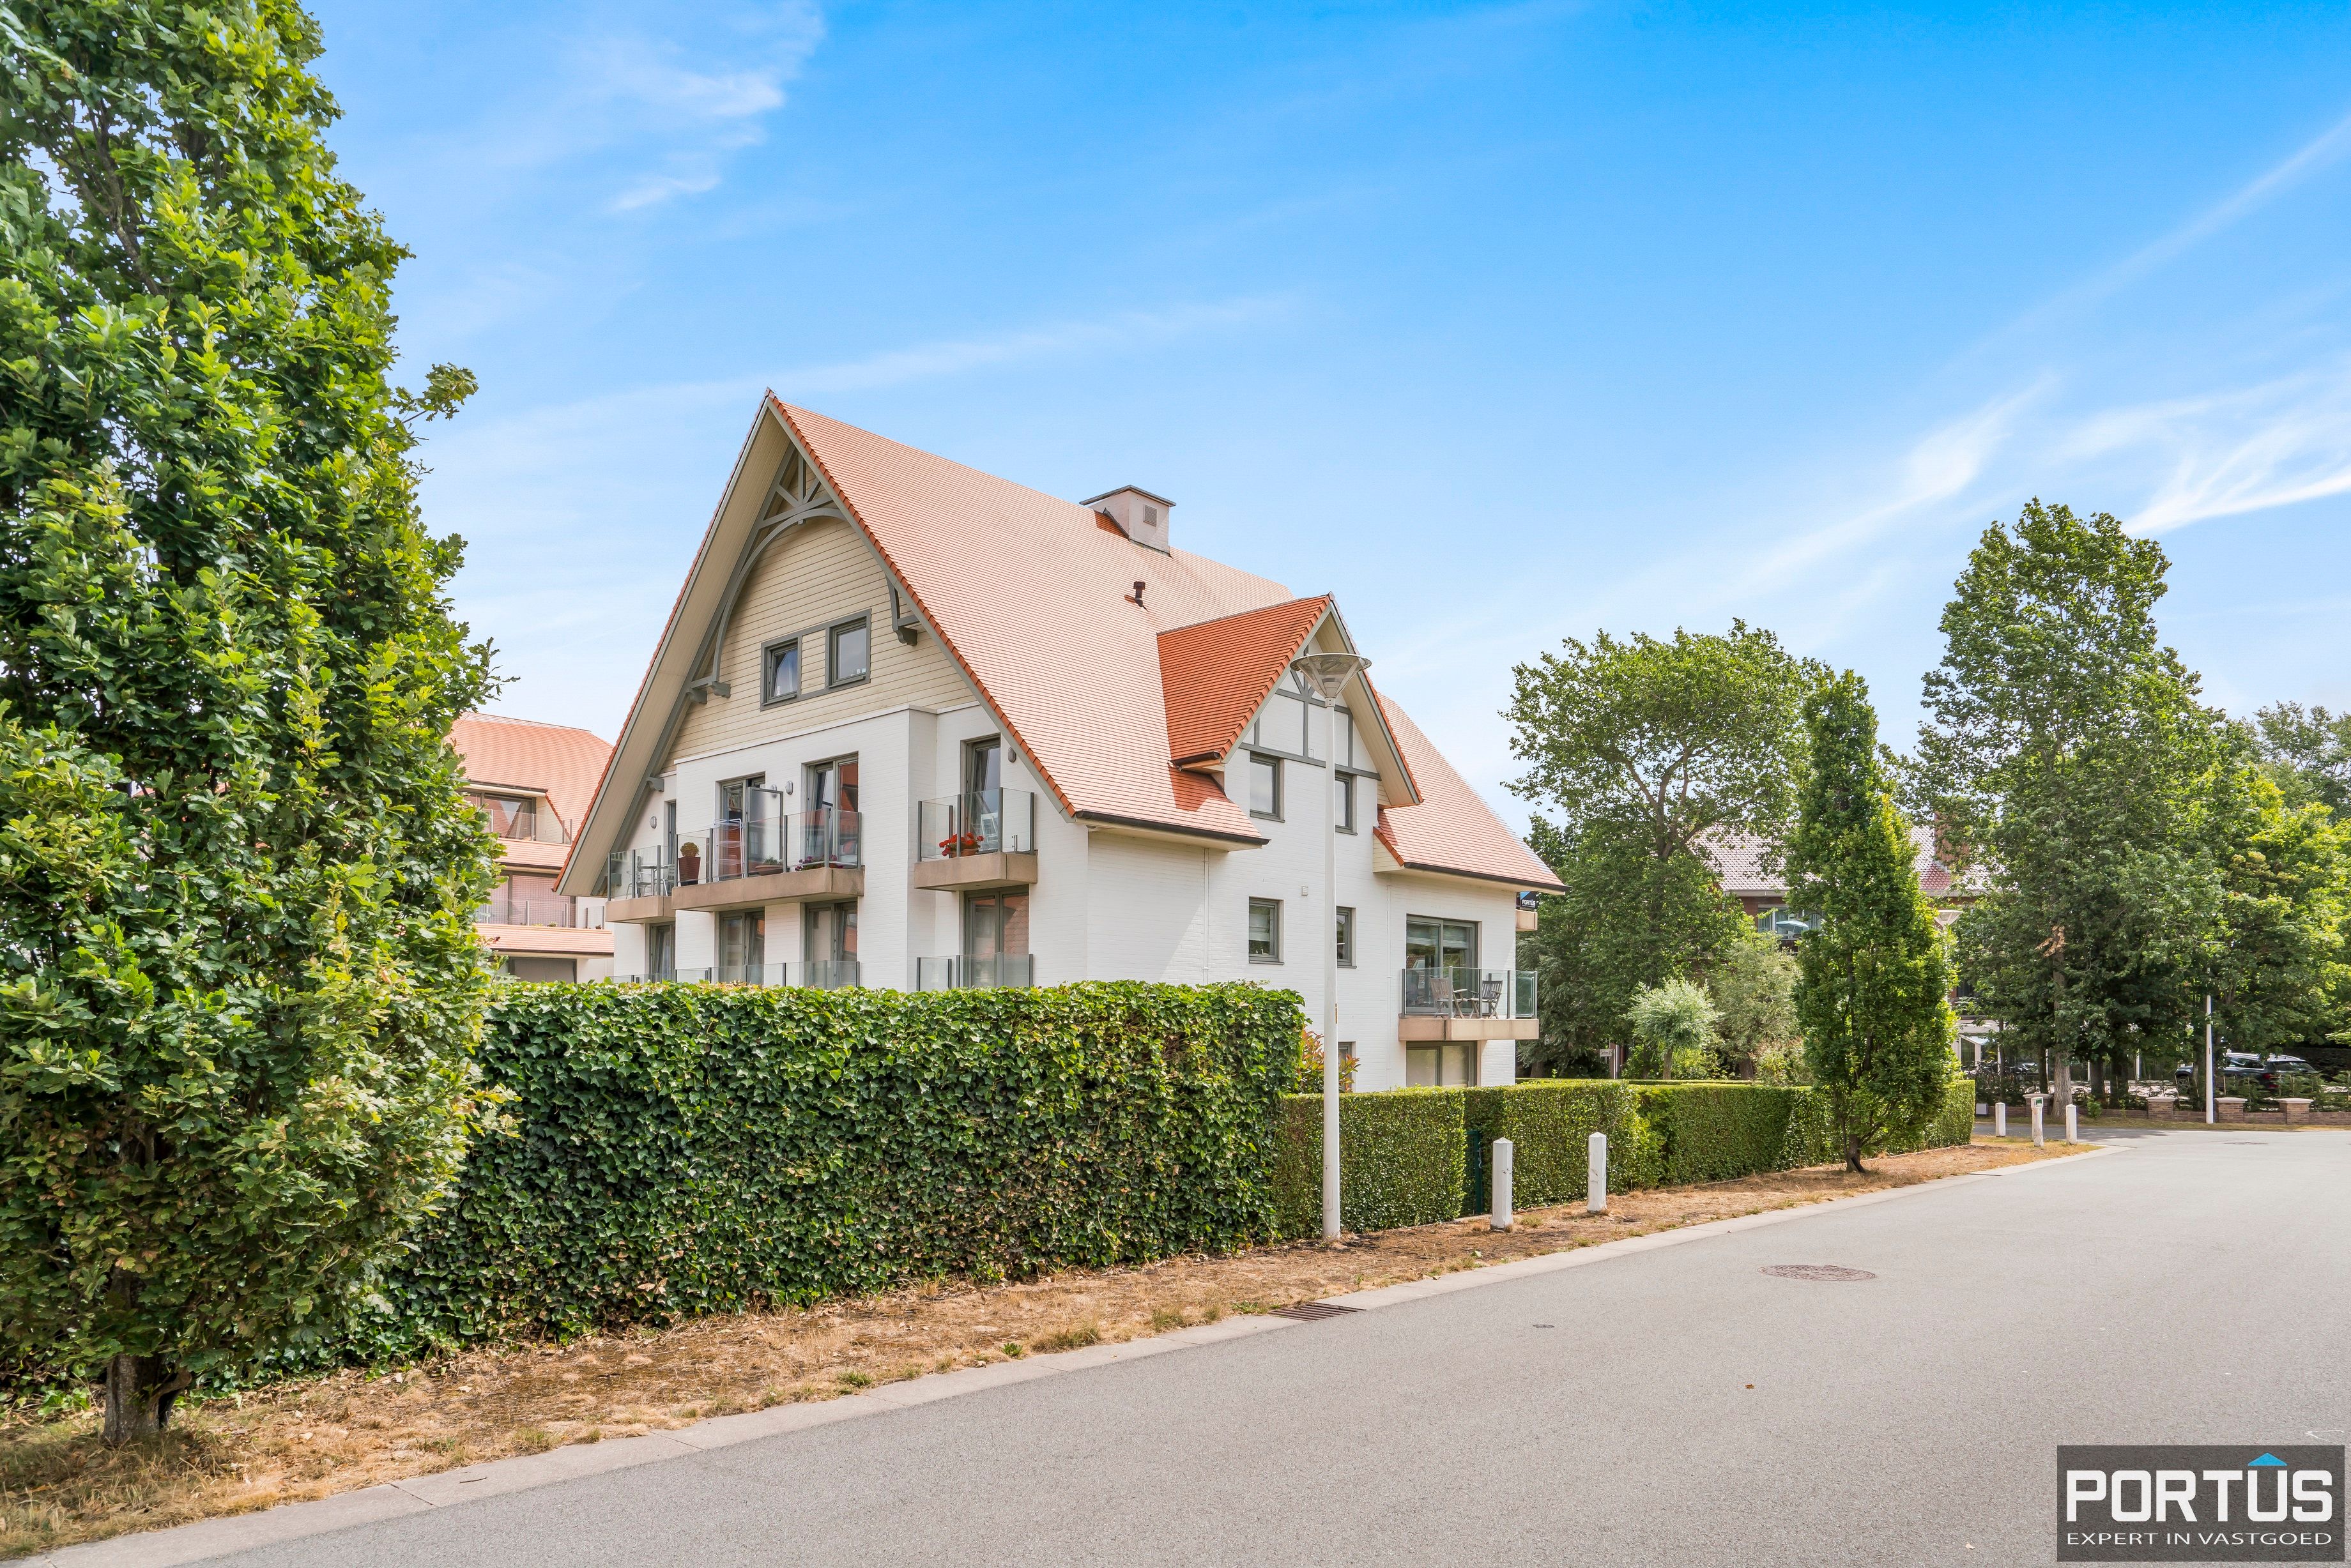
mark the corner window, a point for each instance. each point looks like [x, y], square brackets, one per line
[1346, 937]
[1265, 931]
[1264, 787]
[783, 681]
[848, 654]
[1344, 806]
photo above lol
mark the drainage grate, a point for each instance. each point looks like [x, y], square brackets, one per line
[1313, 1311]
[1816, 1271]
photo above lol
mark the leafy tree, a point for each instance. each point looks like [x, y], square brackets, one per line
[2280, 900]
[1674, 1032]
[1753, 985]
[2308, 753]
[1873, 981]
[1627, 920]
[239, 984]
[1639, 752]
[2067, 753]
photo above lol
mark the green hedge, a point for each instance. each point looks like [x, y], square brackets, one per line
[1550, 1123]
[1404, 1152]
[682, 1148]
[1399, 1160]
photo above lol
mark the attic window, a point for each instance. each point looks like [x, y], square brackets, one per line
[1150, 517]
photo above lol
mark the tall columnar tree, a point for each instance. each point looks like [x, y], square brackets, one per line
[1639, 752]
[238, 986]
[2067, 754]
[1873, 978]
[2280, 900]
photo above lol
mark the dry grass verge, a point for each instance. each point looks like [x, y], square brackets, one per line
[309, 1439]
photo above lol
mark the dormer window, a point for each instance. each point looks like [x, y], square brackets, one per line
[1138, 514]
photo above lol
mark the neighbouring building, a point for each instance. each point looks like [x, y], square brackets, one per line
[914, 725]
[534, 781]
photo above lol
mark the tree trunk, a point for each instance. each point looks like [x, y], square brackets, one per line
[1853, 1155]
[140, 1393]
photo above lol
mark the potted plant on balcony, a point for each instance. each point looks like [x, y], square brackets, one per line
[955, 846]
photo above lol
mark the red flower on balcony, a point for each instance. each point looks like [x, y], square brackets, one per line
[957, 845]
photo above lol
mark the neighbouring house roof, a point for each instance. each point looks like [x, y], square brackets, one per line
[1452, 829]
[1218, 673]
[1739, 861]
[554, 760]
[1033, 598]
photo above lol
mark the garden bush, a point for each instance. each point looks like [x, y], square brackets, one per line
[1715, 1132]
[683, 1148]
[1550, 1123]
[1400, 1160]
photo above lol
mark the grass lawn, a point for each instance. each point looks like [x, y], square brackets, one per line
[309, 1438]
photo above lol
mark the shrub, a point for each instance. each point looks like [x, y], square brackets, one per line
[1714, 1132]
[684, 1149]
[1400, 1161]
[1674, 1032]
[1550, 1123]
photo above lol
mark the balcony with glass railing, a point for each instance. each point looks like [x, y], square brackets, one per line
[1467, 1004]
[821, 975]
[639, 874]
[771, 843]
[980, 839]
[582, 914]
[963, 973]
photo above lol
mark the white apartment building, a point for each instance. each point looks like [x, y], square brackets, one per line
[914, 725]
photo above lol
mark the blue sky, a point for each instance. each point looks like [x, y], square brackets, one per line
[1504, 323]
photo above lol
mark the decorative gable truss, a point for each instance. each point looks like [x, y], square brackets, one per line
[798, 495]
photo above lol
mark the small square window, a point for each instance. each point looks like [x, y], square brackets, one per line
[847, 652]
[1346, 937]
[1344, 808]
[1264, 787]
[783, 680]
[1265, 931]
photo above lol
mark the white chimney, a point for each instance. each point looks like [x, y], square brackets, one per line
[1140, 515]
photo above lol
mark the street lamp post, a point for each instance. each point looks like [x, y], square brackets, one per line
[1327, 675]
[2208, 1089]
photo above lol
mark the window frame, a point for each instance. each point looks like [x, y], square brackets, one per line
[1261, 759]
[768, 695]
[1273, 908]
[832, 676]
[1343, 786]
[1343, 933]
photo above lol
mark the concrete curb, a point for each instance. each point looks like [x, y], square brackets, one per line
[292, 1521]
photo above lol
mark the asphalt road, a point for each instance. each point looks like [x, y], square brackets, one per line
[2190, 1288]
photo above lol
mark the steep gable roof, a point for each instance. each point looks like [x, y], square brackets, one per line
[1452, 829]
[1218, 673]
[554, 760]
[1036, 602]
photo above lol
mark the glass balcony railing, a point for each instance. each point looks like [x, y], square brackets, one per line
[964, 974]
[979, 822]
[1469, 993]
[766, 846]
[639, 874]
[566, 912]
[822, 975]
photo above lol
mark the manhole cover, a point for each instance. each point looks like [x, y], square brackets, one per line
[1308, 1311]
[1816, 1271]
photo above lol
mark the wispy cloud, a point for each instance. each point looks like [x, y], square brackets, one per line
[2229, 454]
[689, 118]
[1125, 331]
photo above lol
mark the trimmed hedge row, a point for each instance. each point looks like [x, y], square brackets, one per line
[1404, 1152]
[681, 1149]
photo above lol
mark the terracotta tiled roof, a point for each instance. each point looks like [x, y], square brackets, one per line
[1217, 675]
[1452, 829]
[551, 760]
[1739, 861]
[1034, 600]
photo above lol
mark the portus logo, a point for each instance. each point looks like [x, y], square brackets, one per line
[2200, 1503]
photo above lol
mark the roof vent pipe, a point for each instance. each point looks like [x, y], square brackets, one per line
[1137, 594]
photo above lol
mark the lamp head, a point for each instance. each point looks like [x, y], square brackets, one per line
[1326, 675]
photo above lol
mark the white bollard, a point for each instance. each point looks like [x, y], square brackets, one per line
[2000, 1119]
[2037, 1101]
[2073, 1123]
[1596, 1176]
[1499, 1157]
